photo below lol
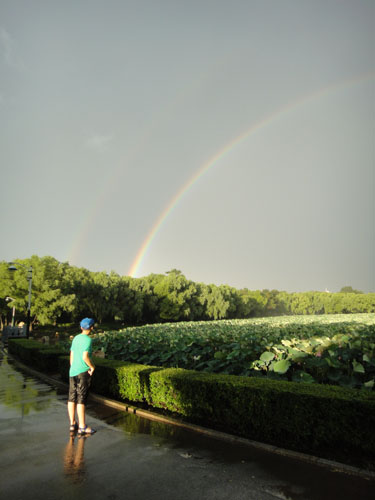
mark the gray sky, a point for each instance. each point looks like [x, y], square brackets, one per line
[108, 109]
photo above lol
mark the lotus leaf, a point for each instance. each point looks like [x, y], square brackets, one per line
[281, 366]
[286, 342]
[358, 367]
[267, 356]
[295, 354]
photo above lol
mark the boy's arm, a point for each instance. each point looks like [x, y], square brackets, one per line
[88, 361]
[71, 358]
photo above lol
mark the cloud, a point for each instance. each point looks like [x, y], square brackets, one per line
[7, 48]
[99, 143]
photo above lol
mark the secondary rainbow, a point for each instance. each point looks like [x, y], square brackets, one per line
[88, 217]
[225, 151]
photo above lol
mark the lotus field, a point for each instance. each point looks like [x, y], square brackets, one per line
[328, 349]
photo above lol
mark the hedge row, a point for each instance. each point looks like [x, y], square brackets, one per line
[35, 354]
[117, 379]
[326, 420]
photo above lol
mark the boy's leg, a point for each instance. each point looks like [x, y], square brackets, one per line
[84, 382]
[72, 412]
[81, 411]
[72, 398]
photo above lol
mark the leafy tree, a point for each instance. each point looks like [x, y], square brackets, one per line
[5, 291]
[94, 293]
[176, 297]
[49, 299]
[349, 289]
[133, 308]
[145, 289]
[64, 293]
[253, 303]
[219, 301]
[272, 307]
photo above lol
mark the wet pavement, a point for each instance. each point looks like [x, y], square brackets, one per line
[135, 458]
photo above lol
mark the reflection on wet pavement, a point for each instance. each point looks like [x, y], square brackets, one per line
[74, 460]
[22, 393]
[146, 459]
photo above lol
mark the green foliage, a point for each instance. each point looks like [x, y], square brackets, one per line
[64, 294]
[133, 381]
[346, 359]
[64, 365]
[176, 297]
[349, 289]
[50, 298]
[219, 301]
[116, 379]
[324, 349]
[295, 416]
[36, 355]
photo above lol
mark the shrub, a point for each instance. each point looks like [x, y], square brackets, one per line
[36, 355]
[122, 380]
[331, 421]
[117, 379]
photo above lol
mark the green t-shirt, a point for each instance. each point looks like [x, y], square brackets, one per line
[80, 344]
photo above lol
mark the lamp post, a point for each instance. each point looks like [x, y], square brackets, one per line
[13, 267]
[13, 309]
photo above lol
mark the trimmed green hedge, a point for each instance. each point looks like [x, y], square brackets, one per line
[35, 354]
[117, 379]
[328, 421]
[303, 417]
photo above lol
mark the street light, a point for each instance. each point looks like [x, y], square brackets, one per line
[13, 267]
[13, 309]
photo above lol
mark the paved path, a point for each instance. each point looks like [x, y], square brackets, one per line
[134, 458]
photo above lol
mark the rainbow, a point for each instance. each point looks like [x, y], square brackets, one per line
[225, 151]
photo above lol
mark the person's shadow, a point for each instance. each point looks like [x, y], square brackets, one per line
[74, 460]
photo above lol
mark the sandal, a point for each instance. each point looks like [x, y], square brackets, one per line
[73, 427]
[82, 431]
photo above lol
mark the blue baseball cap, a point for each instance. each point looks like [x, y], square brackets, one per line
[87, 323]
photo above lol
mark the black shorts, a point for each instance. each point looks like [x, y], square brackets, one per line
[79, 388]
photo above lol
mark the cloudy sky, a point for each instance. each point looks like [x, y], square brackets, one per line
[233, 140]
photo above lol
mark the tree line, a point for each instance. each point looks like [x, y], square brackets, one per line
[63, 294]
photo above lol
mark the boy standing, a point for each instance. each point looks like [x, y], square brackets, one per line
[81, 370]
